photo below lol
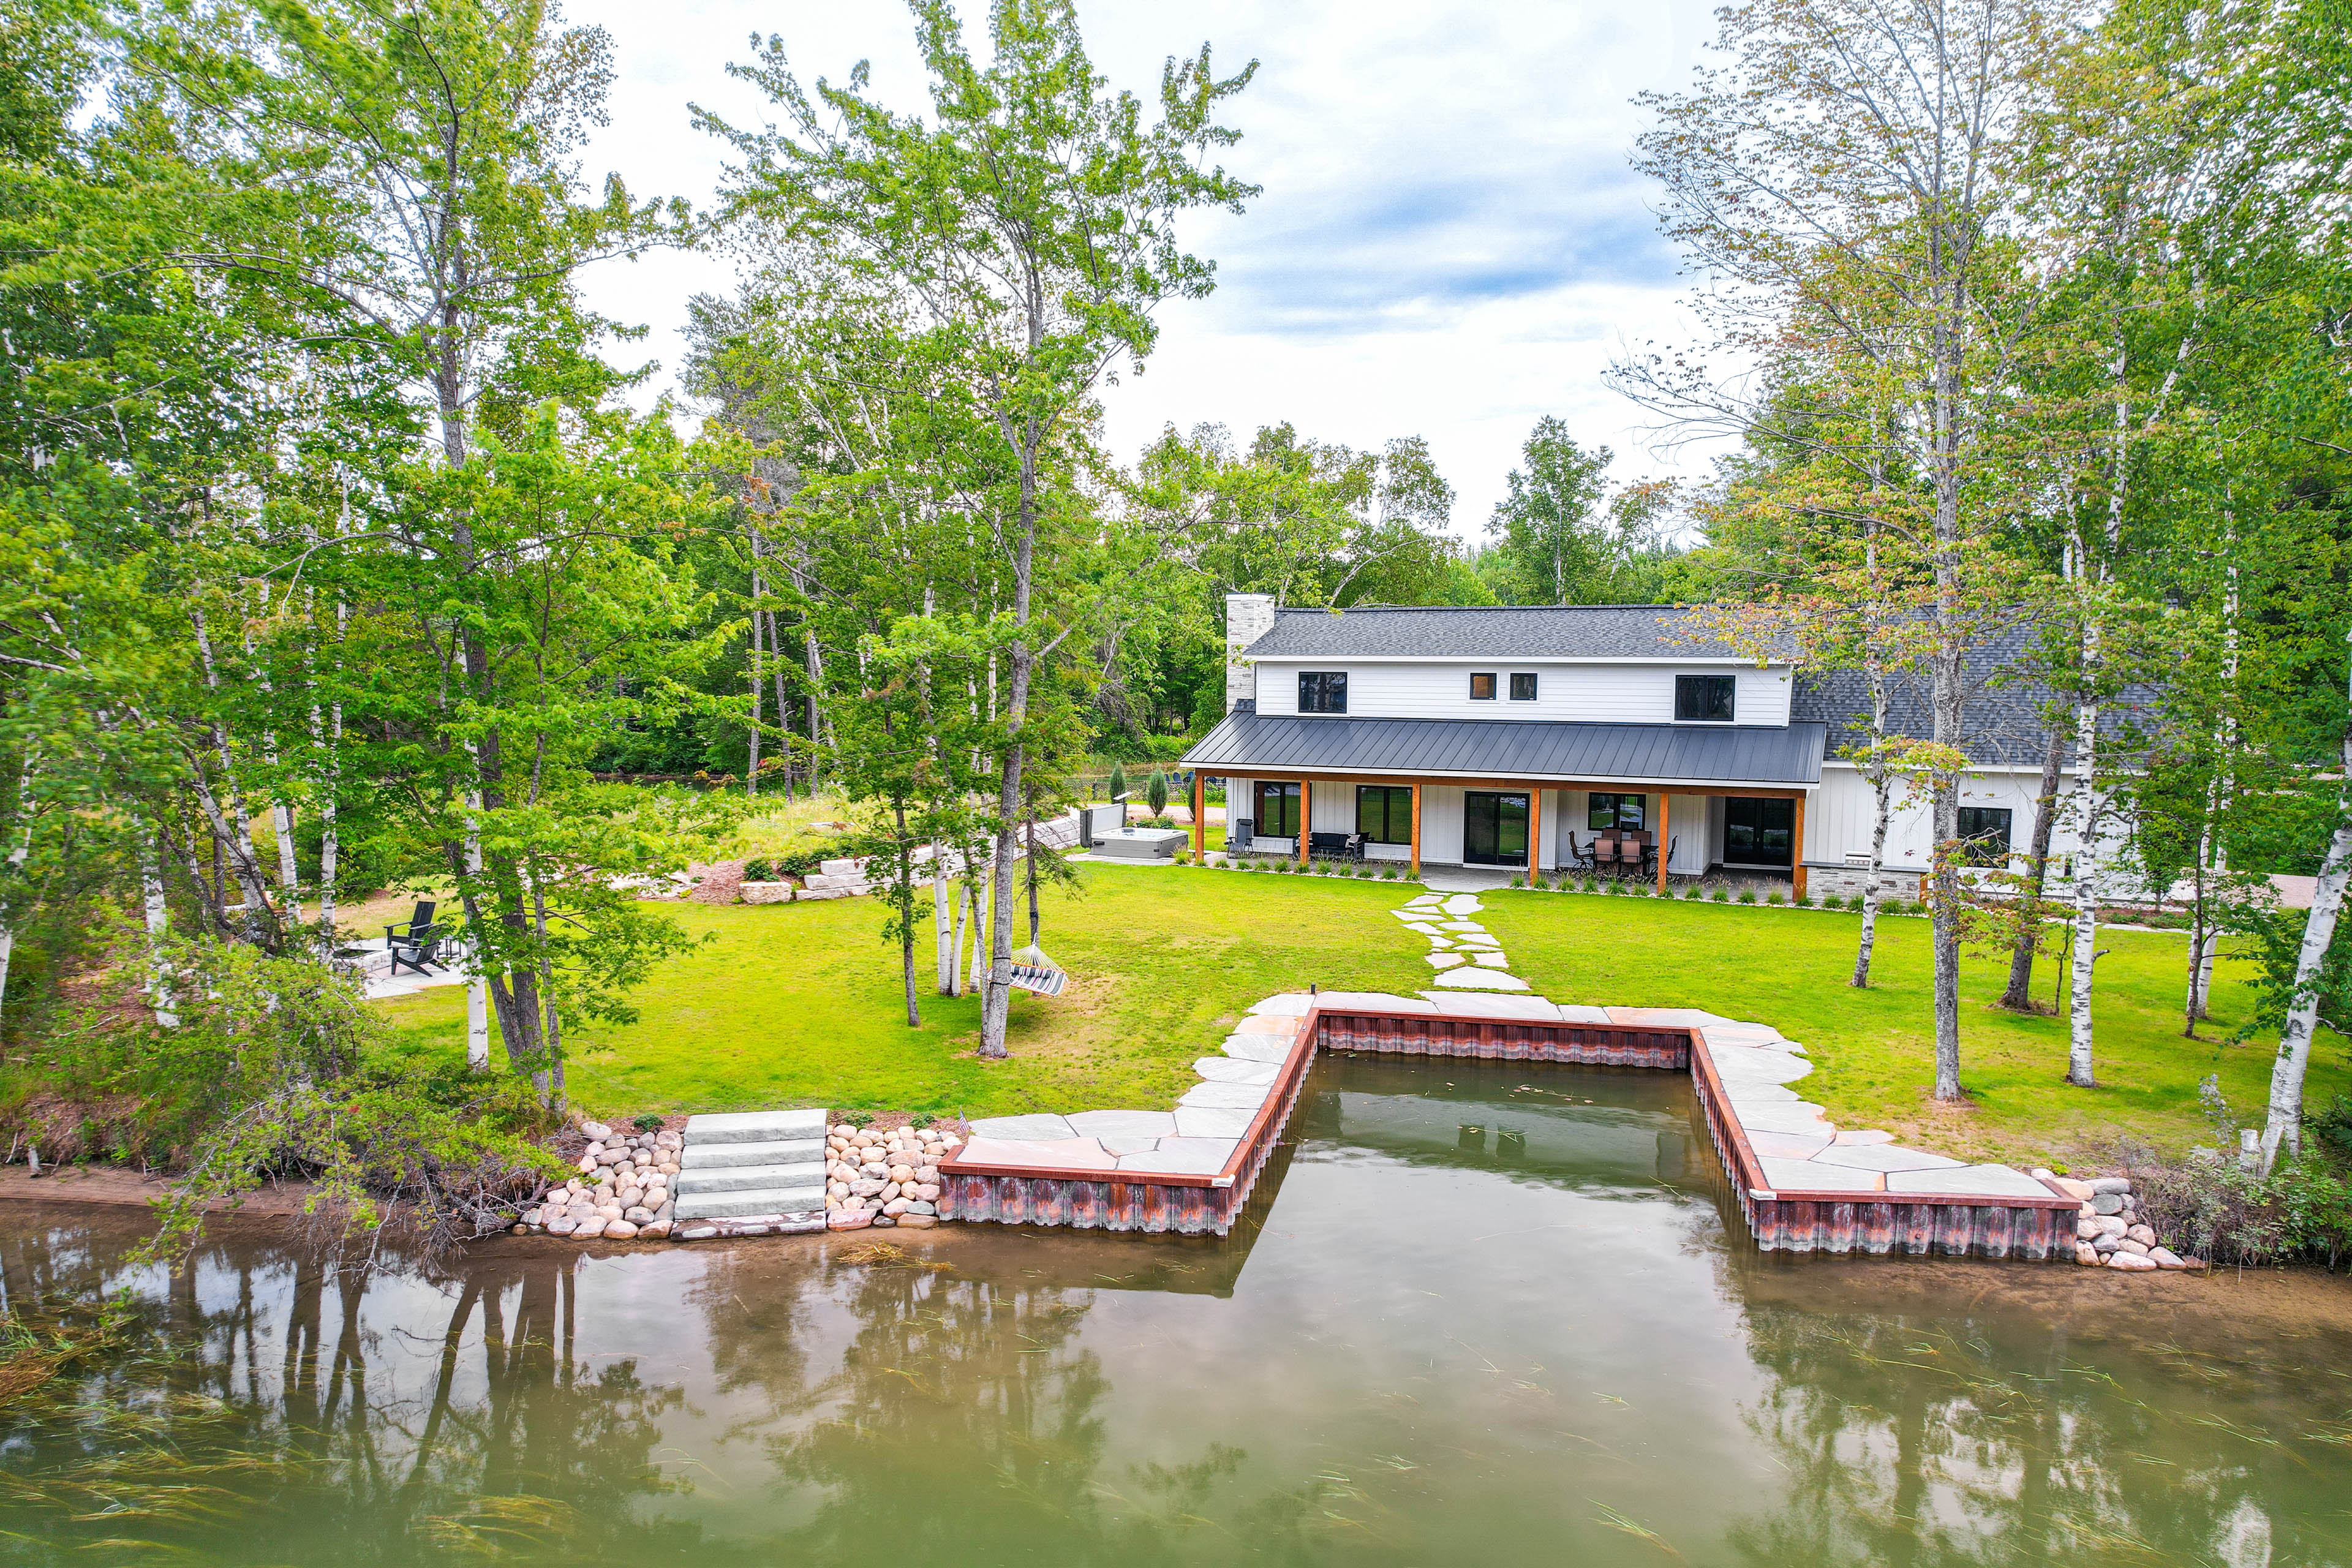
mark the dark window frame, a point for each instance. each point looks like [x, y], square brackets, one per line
[1394, 812]
[1322, 692]
[1492, 687]
[1696, 697]
[1988, 845]
[1527, 676]
[1284, 791]
[1617, 814]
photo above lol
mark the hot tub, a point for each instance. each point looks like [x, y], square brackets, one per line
[1140, 843]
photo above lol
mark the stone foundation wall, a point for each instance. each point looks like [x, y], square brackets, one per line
[1851, 882]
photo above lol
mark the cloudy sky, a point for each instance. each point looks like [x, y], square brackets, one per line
[1449, 243]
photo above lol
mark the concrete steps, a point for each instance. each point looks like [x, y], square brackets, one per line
[780, 1151]
[752, 1162]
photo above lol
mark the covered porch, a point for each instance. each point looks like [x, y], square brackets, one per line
[1693, 799]
[1515, 825]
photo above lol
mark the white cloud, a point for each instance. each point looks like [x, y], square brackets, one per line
[1449, 243]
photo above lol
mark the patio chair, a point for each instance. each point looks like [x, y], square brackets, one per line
[1238, 834]
[1634, 850]
[414, 923]
[418, 947]
[1583, 854]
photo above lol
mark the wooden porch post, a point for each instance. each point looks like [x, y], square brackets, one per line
[1797, 858]
[1200, 818]
[1535, 834]
[1665, 839]
[1305, 816]
[1416, 832]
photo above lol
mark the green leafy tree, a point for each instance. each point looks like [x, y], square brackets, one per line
[1030, 218]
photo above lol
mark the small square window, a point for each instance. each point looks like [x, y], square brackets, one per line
[1984, 835]
[1705, 699]
[1523, 686]
[1481, 686]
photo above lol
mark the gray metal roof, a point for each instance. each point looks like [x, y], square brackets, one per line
[1536, 631]
[1492, 747]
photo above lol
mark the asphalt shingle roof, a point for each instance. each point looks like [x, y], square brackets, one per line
[1536, 631]
[2003, 716]
[1491, 748]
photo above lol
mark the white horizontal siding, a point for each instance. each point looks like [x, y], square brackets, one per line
[1565, 693]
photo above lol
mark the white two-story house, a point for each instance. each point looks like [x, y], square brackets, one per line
[1511, 737]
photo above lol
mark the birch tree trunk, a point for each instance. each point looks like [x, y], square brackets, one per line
[477, 982]
[752, 768]
[2080, 1067]
[1882, 790]
[19, 854]
[159, 919]
[2283, 1128]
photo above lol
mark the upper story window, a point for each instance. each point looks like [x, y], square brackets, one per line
[1481, 686]
[1322, 692]
[1705, 698]
[1523, 686]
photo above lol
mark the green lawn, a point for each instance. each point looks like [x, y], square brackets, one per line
[1875, 1048]
[801, 1003]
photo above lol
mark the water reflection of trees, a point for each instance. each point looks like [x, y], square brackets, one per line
[305, 1400]
[1932, 1438]
[968, 1416]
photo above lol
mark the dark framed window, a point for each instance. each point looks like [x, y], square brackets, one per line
[1984, 835]
[1605, 810]
[1523, 686]
[1322, 692]
[1277, 810]
[1384, 813]
[1481, 686]
[1705, 698]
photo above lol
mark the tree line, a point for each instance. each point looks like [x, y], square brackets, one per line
[337, 556]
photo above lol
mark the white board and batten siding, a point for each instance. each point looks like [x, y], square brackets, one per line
[1565, 693]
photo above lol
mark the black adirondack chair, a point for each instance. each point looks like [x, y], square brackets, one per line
[415, 943]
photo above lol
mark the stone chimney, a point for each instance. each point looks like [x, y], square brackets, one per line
[1248, 617]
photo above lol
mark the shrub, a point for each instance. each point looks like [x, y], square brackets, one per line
[859, 1118]
[1537, 883]
[648, 1122]
[1117, 781]
[2210, 1205]
[1155, 793]
[760, 871]
[1389, 874]
[1774, 896]
[1591, 884]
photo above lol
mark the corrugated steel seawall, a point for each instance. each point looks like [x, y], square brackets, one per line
[1946, 1226]
[1504, 1039]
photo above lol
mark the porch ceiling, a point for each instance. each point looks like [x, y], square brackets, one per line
[1653, 754]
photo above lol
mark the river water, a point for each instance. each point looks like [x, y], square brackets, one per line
[1482, 1314]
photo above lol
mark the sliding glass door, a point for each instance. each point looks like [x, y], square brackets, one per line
[1493, 829]
[1760, 833]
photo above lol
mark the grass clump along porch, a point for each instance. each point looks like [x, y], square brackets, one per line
[800, 1003]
